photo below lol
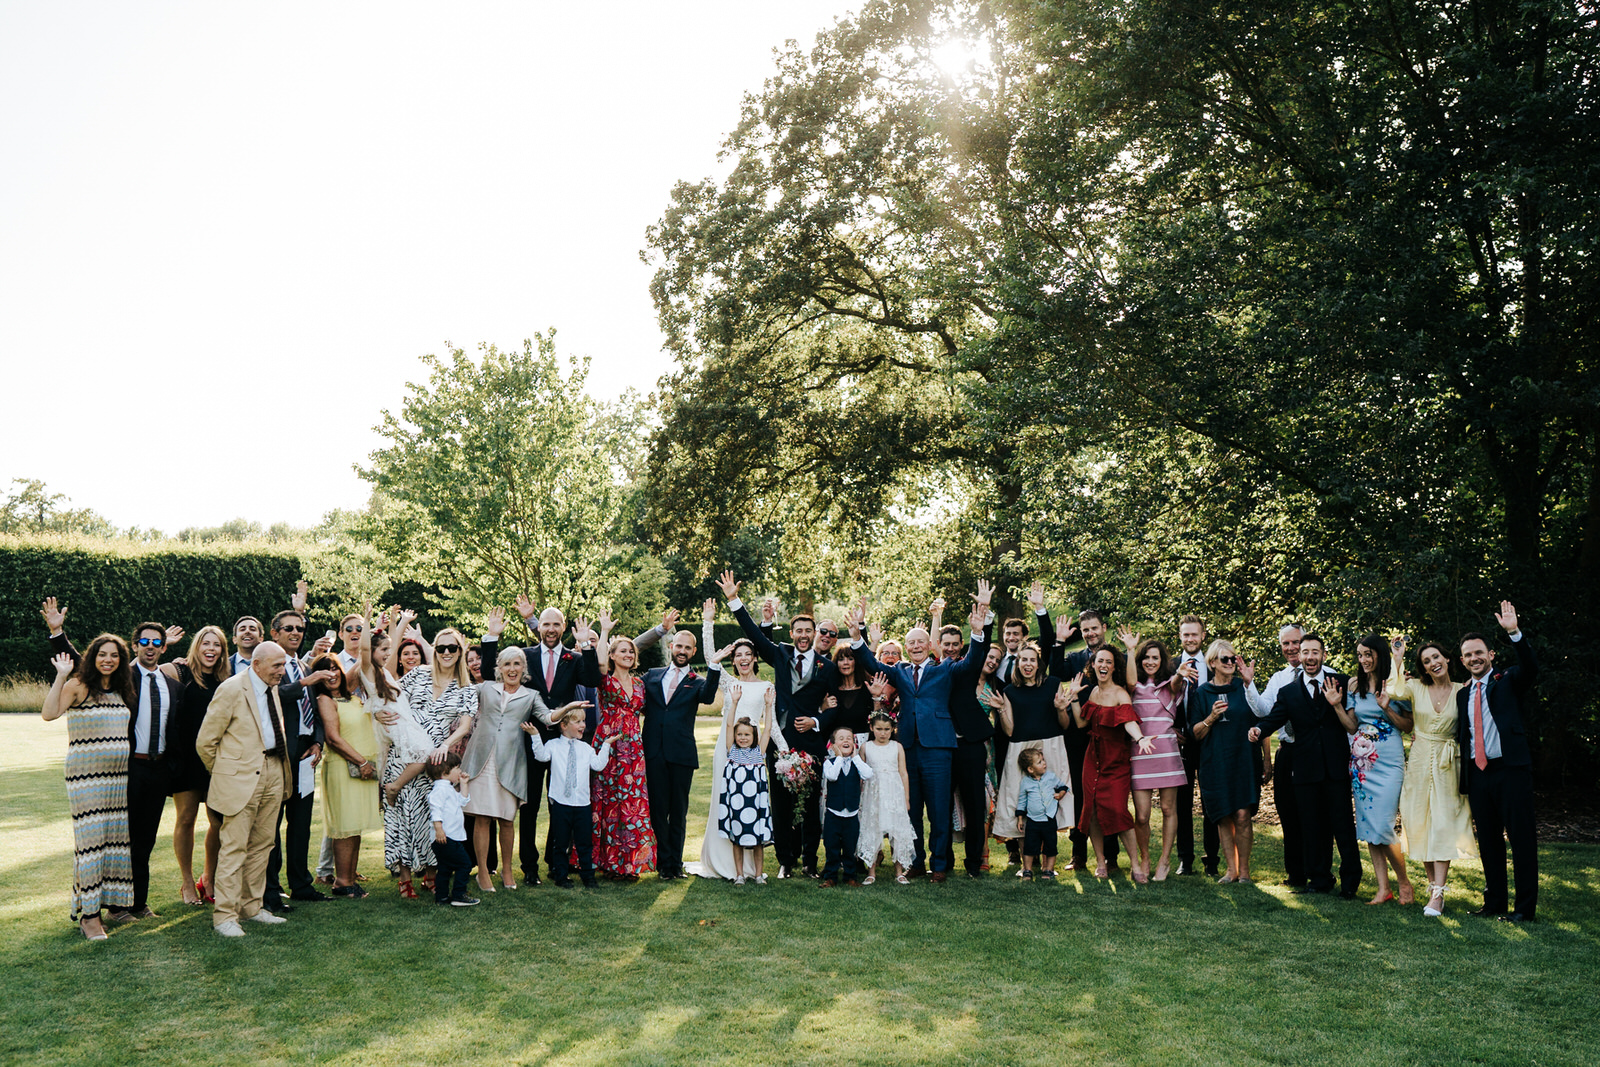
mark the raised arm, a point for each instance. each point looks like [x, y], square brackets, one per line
[64, 692]
[651, 637]
[1047, 635]
[1130, 642]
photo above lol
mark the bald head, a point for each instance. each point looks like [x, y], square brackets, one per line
[267, 662]
[917, 644]
[552, 624]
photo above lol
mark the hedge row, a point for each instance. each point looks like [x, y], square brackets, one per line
[107, 586]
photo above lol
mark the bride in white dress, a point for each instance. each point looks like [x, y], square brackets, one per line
[716, 851]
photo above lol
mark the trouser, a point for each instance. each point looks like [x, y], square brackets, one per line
[1288, 802]
[839, 836]
[297, 811]
[929, 772]
[450, 878]
[325, 859]
[668, 787]
[572, 829]
[246, 843]
[1328, 818]
[149, 785]
[969, 771]
[1210, 838]
[1502, 807]
[1039, 837]
[528, 831]
[1077, 749]
[796, 846]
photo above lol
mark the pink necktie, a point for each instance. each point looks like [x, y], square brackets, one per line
[1479, 757]
[549, 671]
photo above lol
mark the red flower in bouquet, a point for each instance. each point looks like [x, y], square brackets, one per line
[798, 772]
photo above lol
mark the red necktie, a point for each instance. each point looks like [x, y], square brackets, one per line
[1479, 757]
[916, 677]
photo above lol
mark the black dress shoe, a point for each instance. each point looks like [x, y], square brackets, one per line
[1515, 917]
[276, 904]
[309, 896]
[1347, 894]
[1291, 883]
[1487, 912]
[1300, 890]
[811, 872]
[1183, 868]
[533, 879]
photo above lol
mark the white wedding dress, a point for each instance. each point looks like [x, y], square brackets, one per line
[716, 851]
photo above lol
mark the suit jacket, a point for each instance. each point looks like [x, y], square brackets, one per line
[1506, 692]
[804, 699]
[668, 730]
[232, 748]
[574, 669]
[172, 683]
[971, 719]
[925, 709]
[1321, 743]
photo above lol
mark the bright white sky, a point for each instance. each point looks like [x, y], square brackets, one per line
[228, 231]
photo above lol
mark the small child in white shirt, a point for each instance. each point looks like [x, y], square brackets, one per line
[445, 801]
[571, 813]
[842, 775]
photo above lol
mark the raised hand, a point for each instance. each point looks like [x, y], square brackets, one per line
[1382, 697]
[322, 677]
[321, 645]
[54, 617]
[582, 632]
[720, 654]
[1066, 630]
[985, 594]
[1036, 596]
[1247, 670]
[977, 617]
[607, 623]
[729, 587]
[63, 665]
[1079, 684]
[573, 706]
[878, 685]
[669, 620]
[708, 610]
[1397, 645]
[874, 635]
[298, 600]
[1332, 691]
[494, 623]
[731, 693]
[770, 700]
[1063, 699]
[524, 607]
[1129, 639]
[936, 609]
[174, 633]
[414, 633]
[1506, 617]
[769, 611]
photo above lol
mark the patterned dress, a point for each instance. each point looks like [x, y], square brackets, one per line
[97, 794]
[746, 815]
[1156, 705]
[408, 822]
[624, 843]
[1377, 770]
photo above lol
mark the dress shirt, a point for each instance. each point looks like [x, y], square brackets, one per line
[1036, 797]
[833, 766]
[346, 660]
[1199, 661]
[263, 710]
[1281, 678]
[571, 760]
[444, 806]
[1479, 687]
[142, 720]
[239, 663]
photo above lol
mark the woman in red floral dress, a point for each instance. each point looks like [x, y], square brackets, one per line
[624, 844]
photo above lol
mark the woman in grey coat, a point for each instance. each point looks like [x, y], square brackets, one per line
[496, 760]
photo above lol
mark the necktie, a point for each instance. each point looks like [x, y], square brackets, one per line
[549, 670]
[278, 748]
[1480, 758]
[799, 665]
[152, 741]
[916, 677]
[672, 684]
[572, 766]
[1311, 688]
[307, 709]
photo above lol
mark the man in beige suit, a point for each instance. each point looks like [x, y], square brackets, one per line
[242, 744]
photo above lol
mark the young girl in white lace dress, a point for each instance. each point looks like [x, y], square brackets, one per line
[884, 812]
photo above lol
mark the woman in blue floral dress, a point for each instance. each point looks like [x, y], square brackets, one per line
[1378, 765]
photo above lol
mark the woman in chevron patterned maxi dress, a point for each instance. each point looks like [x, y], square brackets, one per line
[95, 695]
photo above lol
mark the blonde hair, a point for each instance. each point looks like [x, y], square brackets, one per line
[1218, 648]
[570, 715]
[611, 652]
[462, 676]
[224, 668]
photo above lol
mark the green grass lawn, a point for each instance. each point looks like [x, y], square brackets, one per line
[992, 971]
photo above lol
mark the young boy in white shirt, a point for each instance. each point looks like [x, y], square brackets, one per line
[843, 773]
[445, 801]
[571, 813]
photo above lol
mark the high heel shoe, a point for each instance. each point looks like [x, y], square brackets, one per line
[1429, 910]
[1162, 870]
[1382, 898]
[206, 896]
[407, 890]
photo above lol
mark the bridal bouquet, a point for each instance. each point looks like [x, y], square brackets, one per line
[798, 772]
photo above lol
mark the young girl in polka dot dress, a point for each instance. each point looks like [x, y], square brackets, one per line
[746, 815]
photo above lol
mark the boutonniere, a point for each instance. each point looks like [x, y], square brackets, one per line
[690, 677]
[1495, 677]
[565, 655]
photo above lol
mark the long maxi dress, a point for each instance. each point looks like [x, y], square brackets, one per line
[1433, 810]
[624, 842]
[97, 795]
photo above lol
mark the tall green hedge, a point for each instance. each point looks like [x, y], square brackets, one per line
[110, 585]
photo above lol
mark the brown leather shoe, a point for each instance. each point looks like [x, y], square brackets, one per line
[854, 883]
[828, 883]
[937, 877]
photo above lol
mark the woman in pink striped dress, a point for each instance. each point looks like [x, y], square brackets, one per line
[1157, 696]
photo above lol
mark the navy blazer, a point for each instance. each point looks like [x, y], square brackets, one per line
[972, 720]
[1506, 691]
[668, 730]
[925, 709]
[807, 700]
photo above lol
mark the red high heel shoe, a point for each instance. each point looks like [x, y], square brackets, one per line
[205, 892]
[406, 889]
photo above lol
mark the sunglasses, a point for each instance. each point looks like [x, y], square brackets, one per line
[354, 629]
[442, 649]
[1227, 659]
[827, 633]
[292, 629]
[156, 641]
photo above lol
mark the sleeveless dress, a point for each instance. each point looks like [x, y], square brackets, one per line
[1108, 768]
[183, 729]
[1432, 810]
[884, 811]
[1377, 770]
[1229, 781]
[350, 805]
[97, 795]
[408, 822]
[1034, 724]
[746, 815]
[1156, 706]
[624, 843]
[716, 851]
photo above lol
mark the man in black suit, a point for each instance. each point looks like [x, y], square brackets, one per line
[1497, 768]
[1067, 667]
[1191, 663]
[151, 776]
[672, 696]
[1314, 704]
[802, 677]
[974, 731]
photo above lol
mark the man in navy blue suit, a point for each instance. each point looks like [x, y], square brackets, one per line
[672, 696]
[926, 731]
[1497, 768]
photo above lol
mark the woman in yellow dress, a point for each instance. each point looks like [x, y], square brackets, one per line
[1432, 809]
[349, 774]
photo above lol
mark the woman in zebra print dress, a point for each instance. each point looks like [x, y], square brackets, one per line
[95, 697]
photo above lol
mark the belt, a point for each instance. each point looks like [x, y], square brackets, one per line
[273, 753]
[146, 756]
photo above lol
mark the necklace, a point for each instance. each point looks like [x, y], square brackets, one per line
[1434, 695]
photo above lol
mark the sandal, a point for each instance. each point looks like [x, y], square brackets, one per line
[427, 881]
[869, 879]
[1162, 870]
[761, 879]
[902, 879]
[206, 896]
[95, 933]
[407, 890]
[1384, 899]
[1434, 891]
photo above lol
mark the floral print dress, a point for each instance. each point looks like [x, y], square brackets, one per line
[624, 843]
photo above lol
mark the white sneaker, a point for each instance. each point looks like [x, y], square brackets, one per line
[265, 916]
[230, 929]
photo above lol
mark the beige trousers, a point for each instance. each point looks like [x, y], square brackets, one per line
[246, 844]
